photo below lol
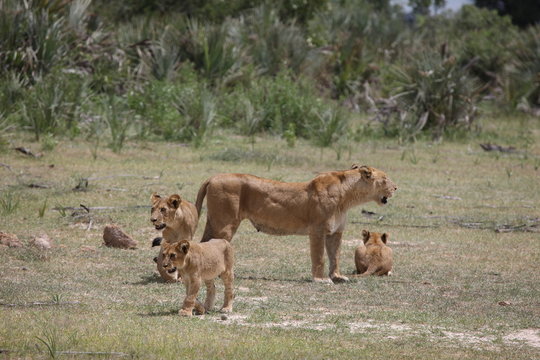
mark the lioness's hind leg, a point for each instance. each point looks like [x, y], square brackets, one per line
[316, 248]
[210, 295]
[228, 279]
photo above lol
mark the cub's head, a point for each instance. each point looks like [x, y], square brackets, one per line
[381, 188]
[374, 238]
[174, 255]
[163, 211]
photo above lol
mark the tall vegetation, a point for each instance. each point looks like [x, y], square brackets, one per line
[176, 71]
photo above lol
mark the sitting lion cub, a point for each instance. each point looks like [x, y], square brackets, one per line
[198, 262]
[373, 257]
[178, 219]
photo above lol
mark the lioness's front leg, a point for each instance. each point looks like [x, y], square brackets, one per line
[192, 289]
[316, 247]
[333, 246]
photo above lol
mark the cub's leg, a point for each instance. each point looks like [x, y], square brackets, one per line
[333, 246]
[192, 289]
[210, 295]
[228, 279]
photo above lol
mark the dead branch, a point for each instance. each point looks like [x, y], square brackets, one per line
[495, 147]
[98, 208]
[6, 166]
[157, 177]
[41, 303]
[28, 152]
[69, 352]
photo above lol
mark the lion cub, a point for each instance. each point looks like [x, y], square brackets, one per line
[373, 257]
[198, 262]
[178, 219]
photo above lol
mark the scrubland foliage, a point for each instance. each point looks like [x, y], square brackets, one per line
[165, 70]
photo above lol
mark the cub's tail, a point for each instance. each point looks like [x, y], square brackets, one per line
[200, 196]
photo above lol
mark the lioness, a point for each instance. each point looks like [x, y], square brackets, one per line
[373, 257]
[178, 219]
[317, 208]
[197, 262]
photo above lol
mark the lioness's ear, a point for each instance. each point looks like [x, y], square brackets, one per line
[365, 171]
[183, 246]
[365, 235]
[174, 201]
[354, 166]
[155, 198]
[385, 237]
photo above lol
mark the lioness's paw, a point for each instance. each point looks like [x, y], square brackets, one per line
[226, 310]
[186, 313]
[322, 280]
[340, 279]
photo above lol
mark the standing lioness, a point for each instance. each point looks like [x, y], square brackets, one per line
[201, 262]
[317, 208]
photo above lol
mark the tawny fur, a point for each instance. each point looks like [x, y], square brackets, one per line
[373, 256]
[317, 208]
[180, 219]
[198, 262]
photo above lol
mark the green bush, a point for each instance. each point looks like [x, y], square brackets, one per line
[523, 87]
[433, 93]
[484, 42]
[53, 105]
[271, 104]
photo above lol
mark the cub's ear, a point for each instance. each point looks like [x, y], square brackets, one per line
[155, 259]
[365, 171]
[155, 198]
[385, 237]
[174, 201]
[354, 166]
[365, 235]
[183, 246]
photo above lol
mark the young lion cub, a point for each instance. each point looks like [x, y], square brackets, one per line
[178, 219]
[198, 262]
[373, 257]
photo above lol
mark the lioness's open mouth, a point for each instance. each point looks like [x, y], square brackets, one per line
[160, 227]
[170, 271]
[384, 199]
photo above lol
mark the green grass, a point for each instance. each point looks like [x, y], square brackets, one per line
[451, 267]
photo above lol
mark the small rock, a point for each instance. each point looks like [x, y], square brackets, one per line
[42, 242]
[504, 303]
[113, 236]
[224, 317]
[24, 268]
[10, 240]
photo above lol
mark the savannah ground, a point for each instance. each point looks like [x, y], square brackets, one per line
[459, 290]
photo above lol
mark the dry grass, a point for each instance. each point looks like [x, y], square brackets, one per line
[452, 269]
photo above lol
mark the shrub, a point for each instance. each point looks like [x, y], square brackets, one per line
[524, 81]
[484, 42]
[433, 93]
[273, 46]
[53, 105]
[271, 104]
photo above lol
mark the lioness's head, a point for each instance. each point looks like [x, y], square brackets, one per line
[381, 187]
[174, 255]
[374, 237]
[163, 210]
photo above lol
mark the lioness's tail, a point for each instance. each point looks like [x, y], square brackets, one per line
[201, 195]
